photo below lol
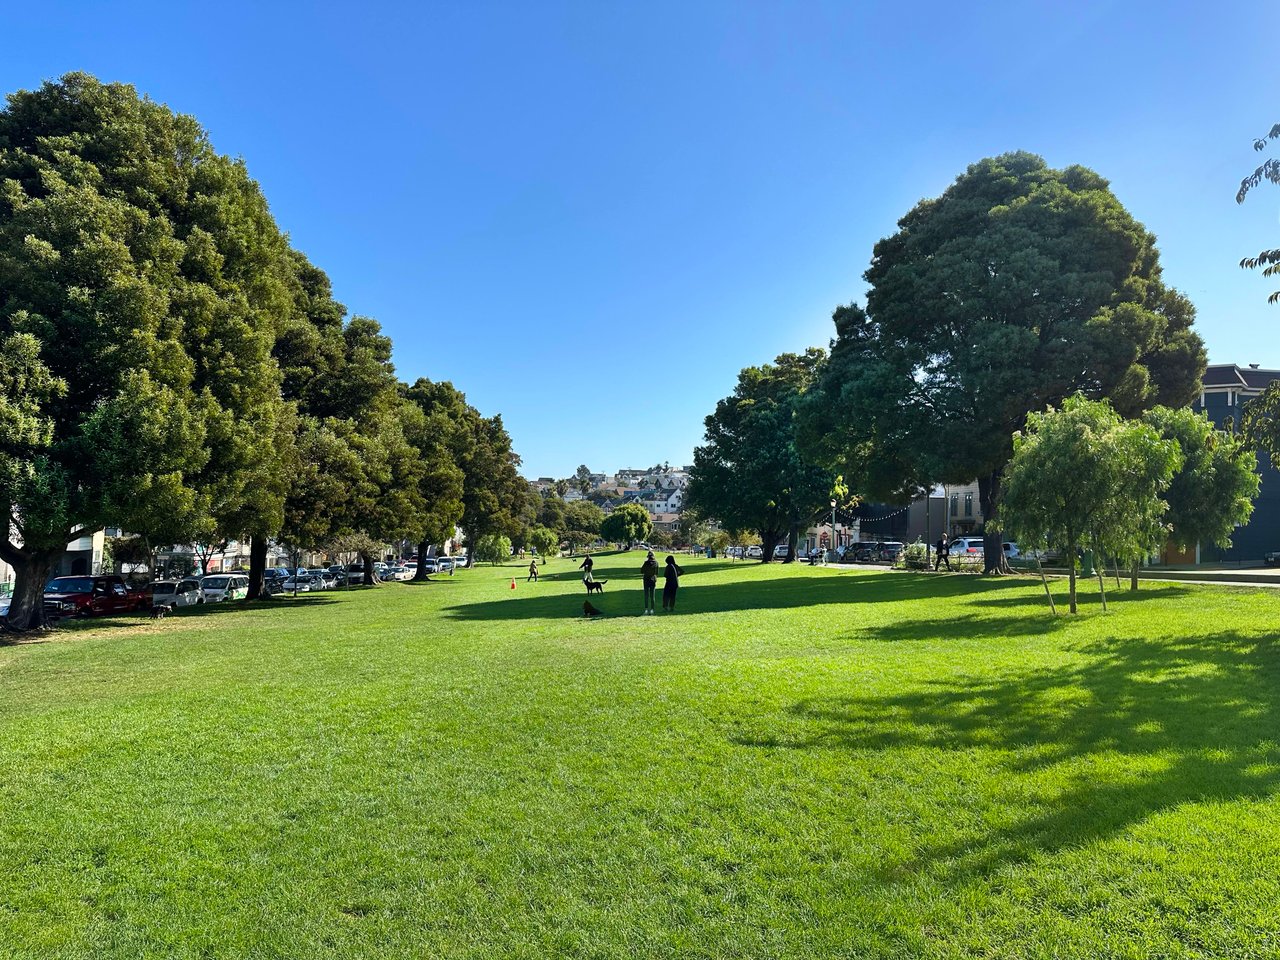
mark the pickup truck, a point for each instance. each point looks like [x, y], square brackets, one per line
[88, 596]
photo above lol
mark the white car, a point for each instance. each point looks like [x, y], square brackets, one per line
[973, 546]
[781, 551]
[300, 584]
[224, 586]
[444, 564]
[180, 593]
[755, 552]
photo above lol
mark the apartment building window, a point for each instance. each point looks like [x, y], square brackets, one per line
[955, 504]
[968, 504]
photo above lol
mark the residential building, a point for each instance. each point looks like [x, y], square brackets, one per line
[1227, 387]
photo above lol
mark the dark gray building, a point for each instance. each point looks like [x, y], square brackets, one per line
[1227, 388]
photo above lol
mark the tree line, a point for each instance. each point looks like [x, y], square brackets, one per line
[169, 364]
[989, 309]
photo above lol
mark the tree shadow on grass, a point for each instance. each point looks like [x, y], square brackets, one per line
[1141, 727]
[624, 595]
[198, 611]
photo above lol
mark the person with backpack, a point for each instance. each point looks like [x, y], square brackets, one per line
[672, 574]
[533, 571]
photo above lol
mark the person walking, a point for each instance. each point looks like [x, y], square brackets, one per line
[585, 566]
[942, 552]
[533, 571]
[649, 573]
[672, 576]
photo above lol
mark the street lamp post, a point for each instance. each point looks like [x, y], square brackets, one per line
[832, 546]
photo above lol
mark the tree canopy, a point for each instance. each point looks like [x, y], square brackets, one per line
[750, 473]
[1018, 287]
[627, 524]
[1083, 476]
[142, 280]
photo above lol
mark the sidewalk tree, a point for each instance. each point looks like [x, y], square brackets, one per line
[1213, 491]
[143, 280]
[750, 474]
[1018, 287]
[627, 524]
[1084, 477]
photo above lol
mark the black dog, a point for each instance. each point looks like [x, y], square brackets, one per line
[595, 586]
[589, 611]
[161, 610]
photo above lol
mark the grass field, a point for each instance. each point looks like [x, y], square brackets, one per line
[801, 763]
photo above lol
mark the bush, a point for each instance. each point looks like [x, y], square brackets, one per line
[914, 557]
[493, 549]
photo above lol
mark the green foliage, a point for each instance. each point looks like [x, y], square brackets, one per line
[1084, 476]
[795, 751]
[143, 283]
[627, 524]
[915, 556]
[1213, 491]
[1018, 287]
[553, 512]
[494, 548]
[546, 542]
[583, 515]
[1268, 260]
[582, 479]
[749, 474]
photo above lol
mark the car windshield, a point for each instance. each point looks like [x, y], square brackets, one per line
[159, 588]
[215, 583]
[69, 585]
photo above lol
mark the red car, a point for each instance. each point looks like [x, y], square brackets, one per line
[87, 596]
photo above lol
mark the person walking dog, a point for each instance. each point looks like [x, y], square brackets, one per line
[649, 573]
[672, 575]
[943, 554]
[585, 566]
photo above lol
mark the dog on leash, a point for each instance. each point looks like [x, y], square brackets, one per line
[595, 586]
[161, 610]
[589, 611]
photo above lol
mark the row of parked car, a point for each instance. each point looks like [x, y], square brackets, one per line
[85, 596]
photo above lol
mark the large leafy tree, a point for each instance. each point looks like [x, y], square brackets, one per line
[1083, 476]
[750, 473]
[627, 524]
[142, 280]
[582, 523]
[1018, 287]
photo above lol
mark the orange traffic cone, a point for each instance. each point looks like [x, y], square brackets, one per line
[513, 583]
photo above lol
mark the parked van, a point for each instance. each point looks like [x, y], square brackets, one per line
[180, 593]
[224, 586]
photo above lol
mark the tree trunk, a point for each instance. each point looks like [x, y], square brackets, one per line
[257, 565]
[1071, 574]
[768, 540]
[792, 539]
[1133, 577]
[369, 578]
[421, 572]
[1102, 585]
[31, 571]
[993, 558]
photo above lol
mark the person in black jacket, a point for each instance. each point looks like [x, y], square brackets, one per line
[649, 573]
[943, 555]
[672, 574]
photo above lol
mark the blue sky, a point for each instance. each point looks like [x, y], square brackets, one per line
[590, 216]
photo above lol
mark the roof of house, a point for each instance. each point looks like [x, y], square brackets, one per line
[1234, 375]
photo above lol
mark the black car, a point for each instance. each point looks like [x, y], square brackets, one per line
[1272, 559]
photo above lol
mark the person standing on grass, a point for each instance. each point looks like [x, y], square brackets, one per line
[672, 574]
[943, 554]
[585, 566]
[649, 573]
[533, 571]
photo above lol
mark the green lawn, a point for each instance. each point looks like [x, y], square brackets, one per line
[801, 763]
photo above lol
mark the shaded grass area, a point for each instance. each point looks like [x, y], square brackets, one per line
[800, 763]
